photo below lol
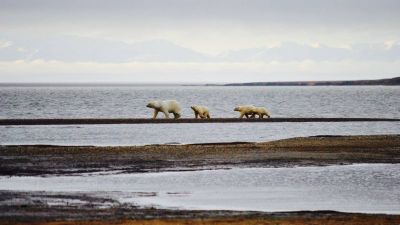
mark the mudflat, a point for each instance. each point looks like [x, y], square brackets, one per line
[20, 208]
[317, 150]
[58, 208]
[6, 122]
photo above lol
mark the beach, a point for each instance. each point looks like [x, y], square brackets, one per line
[317, 150]
[199, 112]
[78, 208]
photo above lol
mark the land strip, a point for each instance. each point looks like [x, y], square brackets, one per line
[24, 122]
[308, 151]
[73, 208]
[44, 208]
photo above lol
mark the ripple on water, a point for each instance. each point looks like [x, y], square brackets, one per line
[367, 188]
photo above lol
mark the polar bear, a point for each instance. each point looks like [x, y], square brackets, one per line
[167, 106]
[245, 110]
[201, 111]
[261, 112]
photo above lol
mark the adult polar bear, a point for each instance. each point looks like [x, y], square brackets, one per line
[247, 110]
[167, 106]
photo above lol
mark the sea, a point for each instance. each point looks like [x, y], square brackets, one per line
[365, 188]
[129, 101]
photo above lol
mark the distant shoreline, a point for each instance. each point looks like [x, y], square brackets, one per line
[387, 82]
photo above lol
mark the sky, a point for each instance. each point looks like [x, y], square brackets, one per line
[198, 41]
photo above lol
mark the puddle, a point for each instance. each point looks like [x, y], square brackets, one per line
[366, 188]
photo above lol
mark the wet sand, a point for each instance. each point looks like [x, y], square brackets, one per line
[36, 208]
[83, 208]
[315, 151]
[18, 122]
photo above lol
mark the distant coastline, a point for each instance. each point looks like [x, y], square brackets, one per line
[389, 82]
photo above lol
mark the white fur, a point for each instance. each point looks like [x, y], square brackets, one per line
[201, 111]
[166, 107]
[245, 110]
[261, 112]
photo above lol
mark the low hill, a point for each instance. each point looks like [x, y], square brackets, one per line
[391, 81]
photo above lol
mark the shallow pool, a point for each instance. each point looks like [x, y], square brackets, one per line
[367, 188]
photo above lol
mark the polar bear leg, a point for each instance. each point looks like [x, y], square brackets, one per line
[206, 115]
[203, 115]
[177, 115]
[166, 114]
[244, 114]
[155, 113]
[196, 115]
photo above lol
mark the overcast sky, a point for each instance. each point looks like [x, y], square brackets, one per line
[198, 40]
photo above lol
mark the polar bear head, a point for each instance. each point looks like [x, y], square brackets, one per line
[194, 107]
[154, 104]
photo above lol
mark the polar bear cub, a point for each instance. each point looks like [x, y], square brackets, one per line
[201, 111]
[261, 112]
[245, 110]
[166, 107]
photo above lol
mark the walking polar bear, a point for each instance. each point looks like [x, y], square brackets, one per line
[166, 107]
[201, 111]
[250, 110]
[245, 110]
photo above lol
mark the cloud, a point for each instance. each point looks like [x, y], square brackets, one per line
[257, 12]
[146, 72]
[5, 44]
[69, 48]
[220, 40]
[290, 51]
[80, 49]
[208, 25]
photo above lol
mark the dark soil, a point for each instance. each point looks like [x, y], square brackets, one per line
[8, 122]
[309, 151]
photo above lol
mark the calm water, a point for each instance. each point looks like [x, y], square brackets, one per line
[130, 101]
[71, 102]
[368, 188]
[141, 134]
